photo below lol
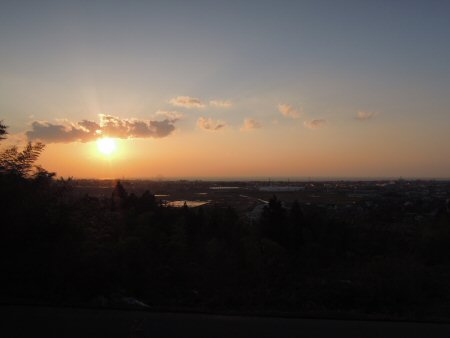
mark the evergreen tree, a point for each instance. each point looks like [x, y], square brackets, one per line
[296, 221]
[274, 221]
[119, 196]
[3, 131]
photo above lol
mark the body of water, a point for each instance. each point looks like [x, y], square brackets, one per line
[190, 204]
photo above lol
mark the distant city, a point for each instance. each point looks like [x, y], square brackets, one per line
[414, 198]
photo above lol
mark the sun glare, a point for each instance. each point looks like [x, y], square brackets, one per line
[106, 145]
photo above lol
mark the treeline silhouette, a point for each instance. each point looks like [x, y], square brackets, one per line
[59, 248]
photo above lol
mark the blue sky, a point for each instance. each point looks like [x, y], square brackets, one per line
[328, 59]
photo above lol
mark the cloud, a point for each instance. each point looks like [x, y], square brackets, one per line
[89, 125]
[210, 124]
[171, 115]
[155, 129]
[365, 115]
[59, 133]
[250, 124]
[111, 126]
[187, 102]
[289, 111]
[220, 103]
[315, 124]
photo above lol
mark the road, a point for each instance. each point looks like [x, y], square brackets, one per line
[26, 321]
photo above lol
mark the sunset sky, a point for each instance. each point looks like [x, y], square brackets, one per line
[229, 88]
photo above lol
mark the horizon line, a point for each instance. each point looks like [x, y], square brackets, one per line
[268, 178]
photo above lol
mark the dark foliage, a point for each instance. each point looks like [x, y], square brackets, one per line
[3, 131]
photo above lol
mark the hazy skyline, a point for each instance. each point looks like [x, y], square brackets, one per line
[230, 89]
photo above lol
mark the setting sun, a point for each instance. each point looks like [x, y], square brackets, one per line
[106, 145]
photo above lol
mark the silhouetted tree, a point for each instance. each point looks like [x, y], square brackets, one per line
[147, 202]
[21, 163]
[3, 131]
[119, 196]
[274, 221]
[296, 221]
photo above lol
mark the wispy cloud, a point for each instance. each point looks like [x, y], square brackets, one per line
[315, 124]
[250, 124]
[365, 115]
[187, 102]
[195, 102]
[111, 126]
[171, 115]
[210, 124]
[220, 103]
[288, 111]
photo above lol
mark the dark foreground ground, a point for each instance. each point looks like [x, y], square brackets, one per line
[25, 321]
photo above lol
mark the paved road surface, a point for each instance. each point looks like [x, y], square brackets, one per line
[21, 321]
